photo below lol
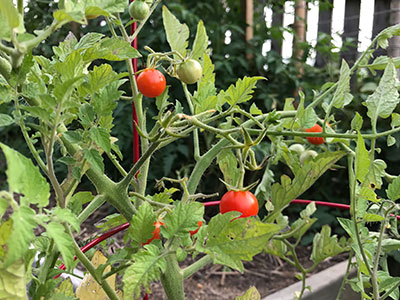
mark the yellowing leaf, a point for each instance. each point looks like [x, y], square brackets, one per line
[89, 289]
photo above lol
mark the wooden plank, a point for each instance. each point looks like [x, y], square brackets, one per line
[381, 21]
[350, 30]
[277, 21]
[324, 26]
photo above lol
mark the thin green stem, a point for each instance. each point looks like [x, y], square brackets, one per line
[152, 8]
[28, 141]
[346, 275]
[124, 183]
[45, 268]
[20, 7]
[322, 96]
[392, 289]
[43, 35]
[137, 195]
[353, 211]
[92, 270]
[194, 267]
[374, 279]
[195, 131]
[91, 207]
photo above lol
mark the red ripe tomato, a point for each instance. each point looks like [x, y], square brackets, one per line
[315, 140]
[192, 232]
[156, 232]
[151, 83]
[241, 201]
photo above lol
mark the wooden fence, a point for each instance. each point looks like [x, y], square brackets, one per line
[385, 13]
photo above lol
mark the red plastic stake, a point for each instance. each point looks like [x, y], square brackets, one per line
[135, 137]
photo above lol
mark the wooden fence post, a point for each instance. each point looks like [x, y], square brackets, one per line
[324, 26]
[381, 21]
[277, 21]
[350, 30]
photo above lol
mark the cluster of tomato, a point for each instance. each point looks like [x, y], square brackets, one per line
[241, 201]
[151, 82]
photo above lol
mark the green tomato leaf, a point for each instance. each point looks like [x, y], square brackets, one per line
[64, 215]
[101, 76]
[386, 97]
[357, 122]
[395, 120]
[22, 234]
[101, 137]
[229, 242]
[372, 218]
[308, 118]
[6, 120]
[386, 34]
[342, 95]
[228, 165]
[117, 49]
[240, 92]
[147, 266]
[390, 141]
[94, 158]
[325, 245]
[177, 33]
[362, 161]
[143, 220]
[183, 219]
[63, 242]
[10, 13]
[250, 294]
[287, 190]
[200, 43]
[393, 190]
[13, 281]
[381, 62]
[254, 110]
[25, 178]
[208, 76]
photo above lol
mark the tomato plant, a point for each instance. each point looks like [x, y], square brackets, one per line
[151, 83]
[138, 10]
[242, 201]
[315, 140]
[65, 106]
[189, 71]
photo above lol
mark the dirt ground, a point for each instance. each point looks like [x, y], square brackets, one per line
[266, 272]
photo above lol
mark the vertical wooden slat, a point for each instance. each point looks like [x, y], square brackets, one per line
[324, 26]
[249, 25]
[277, 21]
[394, 42]
[299, 26]
[381, 21]
[350, 29]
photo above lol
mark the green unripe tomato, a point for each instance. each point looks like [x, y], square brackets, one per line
[138, 10]
[5, 68]
[299, 148]
[306, 154]
[190, 71]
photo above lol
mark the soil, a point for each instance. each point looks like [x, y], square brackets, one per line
[266, 272]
